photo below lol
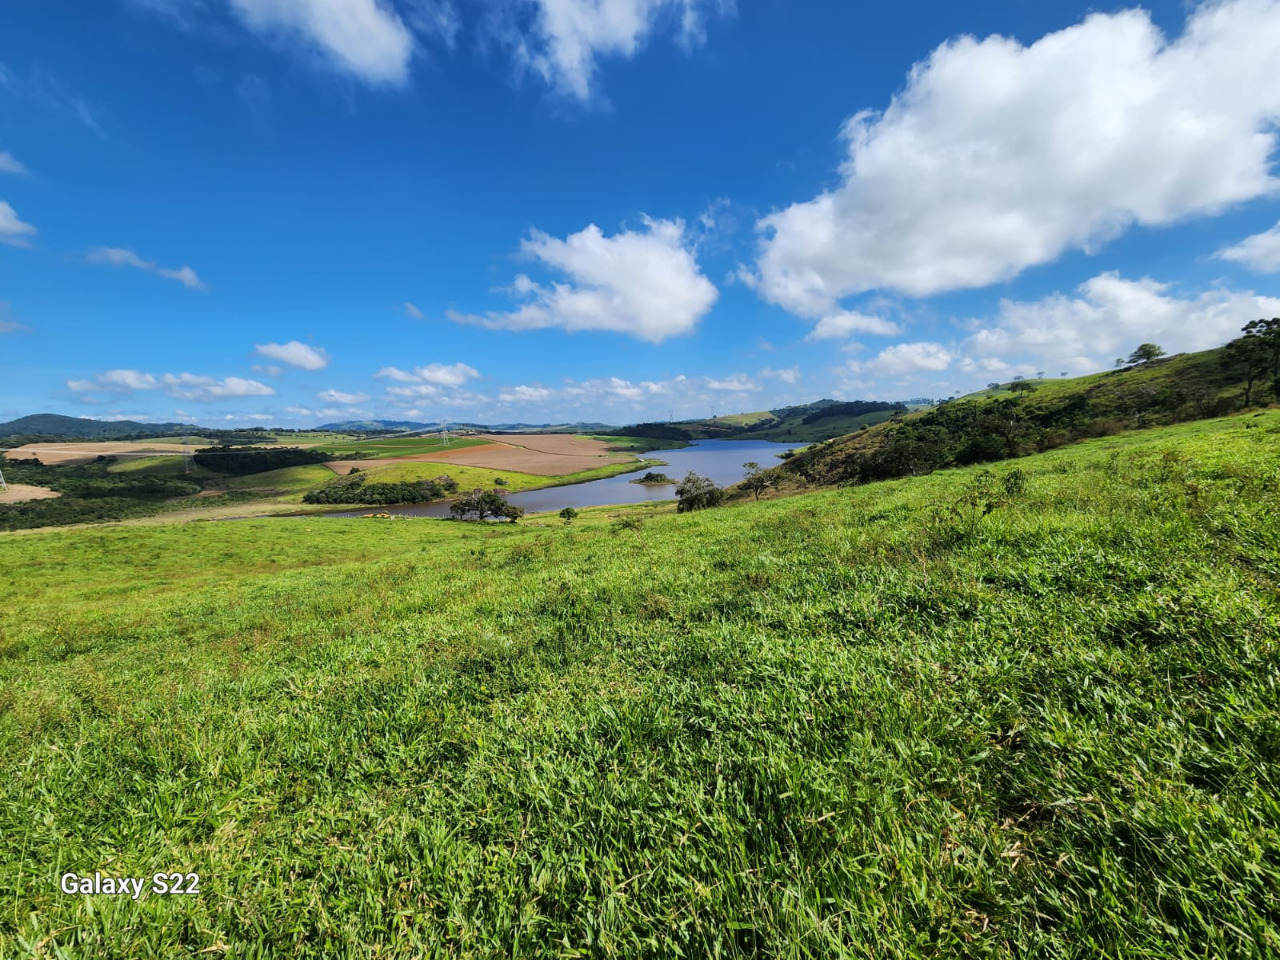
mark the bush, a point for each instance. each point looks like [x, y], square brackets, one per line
[353, 489]
[696, 492]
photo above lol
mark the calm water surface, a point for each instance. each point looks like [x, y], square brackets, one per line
[721, 460]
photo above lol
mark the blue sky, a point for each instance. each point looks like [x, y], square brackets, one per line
[292, 211]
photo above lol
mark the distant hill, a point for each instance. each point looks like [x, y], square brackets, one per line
[374, 426]
[804, 423]
[1012, 419]
[80, 428]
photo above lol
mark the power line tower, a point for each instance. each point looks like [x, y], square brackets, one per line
[187, 464]
[444, 433]
[3, 485]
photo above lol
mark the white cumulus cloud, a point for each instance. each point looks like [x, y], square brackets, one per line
[1108, 317]
[183, 386]
[120, 257]
[644, 283]
[295, 354]
[998, 156]
[13, 231]
[337, 396]
[568, 37]
[737, 383]
[10, 164]
[845, 323]
[1260, 252]
[905, 359]
[364, 38]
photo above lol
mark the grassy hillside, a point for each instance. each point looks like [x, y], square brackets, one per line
[876, 722]
[999, 424]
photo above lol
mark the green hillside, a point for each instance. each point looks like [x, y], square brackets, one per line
[79, 428]
[1028, 713]
[807, 423]
[1033, 416]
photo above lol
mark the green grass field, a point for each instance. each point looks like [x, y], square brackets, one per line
[876, 722]
[470, 478]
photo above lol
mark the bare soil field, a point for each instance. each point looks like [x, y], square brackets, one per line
[59, 454]
[545, 455]
[18, 492]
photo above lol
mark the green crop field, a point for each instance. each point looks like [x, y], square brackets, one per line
[1031, 710]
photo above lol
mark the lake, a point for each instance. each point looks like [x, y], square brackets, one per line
[721, 460]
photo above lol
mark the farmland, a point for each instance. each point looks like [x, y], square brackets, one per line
[1010, 711]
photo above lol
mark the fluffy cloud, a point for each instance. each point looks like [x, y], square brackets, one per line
[845, 323]
[364, 38]
[119, 257]
[523, 394]
[1260, 252]
[1108, 317]
[295, 354]
[9, 164]
[440, 374]
[567, 37]
[184, 386]
[905, 359]
[337, 396]
[447, 375]
[187, 386]
[737, 383]
[643, 283]
[13, 231]
[996, 156]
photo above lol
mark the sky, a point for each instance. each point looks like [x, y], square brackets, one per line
[288, 212]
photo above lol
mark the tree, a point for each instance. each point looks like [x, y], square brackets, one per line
[485, 504]
[993, 386]
[1022, 386]
[696, 492]
[757, 478]
[1064, 373]
[1267, 335]
[1039, 374]
[1252, 355]
[568, 515]
[1145, 353]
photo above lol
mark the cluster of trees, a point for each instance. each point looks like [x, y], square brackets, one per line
[241, 461]
[353, 489]
[89, 493]
[854, 408]
[654, 431]
[653, 479]
[486, 504]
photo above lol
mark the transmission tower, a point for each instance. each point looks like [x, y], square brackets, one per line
[187, 464]
[3, 485]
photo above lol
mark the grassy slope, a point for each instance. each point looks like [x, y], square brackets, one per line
[843, 724]
[471, 477]
[1096, 397]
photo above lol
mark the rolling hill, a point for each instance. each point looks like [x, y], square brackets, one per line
[1031, 416]
[81, 428]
